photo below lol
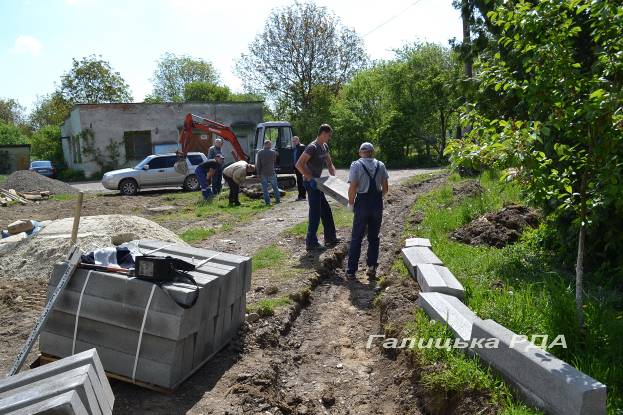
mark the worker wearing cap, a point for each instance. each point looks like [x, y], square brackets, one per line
[217, 180]
[235, 174]
[368, 180]
[206, 173]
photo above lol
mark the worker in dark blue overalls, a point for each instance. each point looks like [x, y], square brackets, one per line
[368, 180]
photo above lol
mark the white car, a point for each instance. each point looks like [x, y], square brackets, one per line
[154, 171]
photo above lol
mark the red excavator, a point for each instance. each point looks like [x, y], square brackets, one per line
[279, 132]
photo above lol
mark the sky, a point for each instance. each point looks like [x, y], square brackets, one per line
[39, 38]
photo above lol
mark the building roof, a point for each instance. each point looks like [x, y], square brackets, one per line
[125, 104]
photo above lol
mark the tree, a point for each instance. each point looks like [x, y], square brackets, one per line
[199, 91]
[301, 47]
[50, 109]
[46, 144]
[174, 72]
[560, 63]
[11, 112]
[91, 80]
[11, 134]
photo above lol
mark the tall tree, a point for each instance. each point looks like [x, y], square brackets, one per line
[205, 92]
[11, 112]
[51, 109]
[301, 47]
[174, 72]
[92, 80]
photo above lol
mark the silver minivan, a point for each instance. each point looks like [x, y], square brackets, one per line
[154, 171]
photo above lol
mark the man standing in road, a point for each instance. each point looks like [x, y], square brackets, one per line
[310, 164]
[235, 174]
[368, 180]
[205, 174]
[298, 150]
[217, 179]
[265, 167]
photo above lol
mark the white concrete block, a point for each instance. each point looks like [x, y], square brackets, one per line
[334, 188]
[544, 380]
[418, 242]
[67, 403]
[437, 278]
[449, 310]
[415, 255]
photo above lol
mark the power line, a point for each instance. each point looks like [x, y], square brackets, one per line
[393, 17]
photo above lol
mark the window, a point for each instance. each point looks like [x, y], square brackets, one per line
[272, 134]
[137, 144]
[285, 137]
[195, 159]
[162, 162]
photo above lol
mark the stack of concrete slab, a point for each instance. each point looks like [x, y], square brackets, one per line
[541, 378]
[334, 188]
[74, 385]
[138, 328]
[416, 255]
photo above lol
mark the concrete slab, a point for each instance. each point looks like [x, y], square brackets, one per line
[88, 357]
[334, 188]
[437, 278]
[77, 380]
[418, 242]
[415, 255]
[116, 338]
[544, 380]
[449, 310]
[67, 403]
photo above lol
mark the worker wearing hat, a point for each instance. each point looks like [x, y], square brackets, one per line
[206, 172]
[368, 180]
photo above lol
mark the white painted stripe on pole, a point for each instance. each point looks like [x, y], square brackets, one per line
[86, 281]
[140, 335]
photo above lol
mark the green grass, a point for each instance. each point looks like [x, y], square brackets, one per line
[419, 178]
[63, 197]
[2, 178]
[341, 216]
[267, 306]
[270, 256]
[197, 234]
[518, 287]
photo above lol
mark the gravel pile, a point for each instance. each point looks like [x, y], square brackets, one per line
[29, 181]
[34, 257]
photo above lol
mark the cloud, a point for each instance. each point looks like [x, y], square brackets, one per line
[27, 45]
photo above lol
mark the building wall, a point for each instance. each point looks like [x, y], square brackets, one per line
[109, 123]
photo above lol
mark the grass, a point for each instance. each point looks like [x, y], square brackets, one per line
[419, 178]
[63, 197]
[341, 216]
[270, 256]
[533, 297]
[267, 306]
[197, 234]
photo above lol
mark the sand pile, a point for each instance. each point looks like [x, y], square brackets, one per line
[34, 257]
[29, 181]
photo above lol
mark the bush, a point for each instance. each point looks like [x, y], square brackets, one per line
[71, 175]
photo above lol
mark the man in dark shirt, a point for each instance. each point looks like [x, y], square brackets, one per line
[298, 150]
[310, 164]
[217, 179]
[206, 172]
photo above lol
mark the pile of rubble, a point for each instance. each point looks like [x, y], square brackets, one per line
[24, 181]
[8, 196]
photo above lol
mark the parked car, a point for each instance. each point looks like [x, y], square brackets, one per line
[154, 171]
[43, 167]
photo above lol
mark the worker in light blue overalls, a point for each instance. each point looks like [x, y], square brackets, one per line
[368, 180]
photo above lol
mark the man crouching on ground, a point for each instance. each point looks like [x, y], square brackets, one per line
[368, 180]
[206, 172]
[310, 164]
[235, 174]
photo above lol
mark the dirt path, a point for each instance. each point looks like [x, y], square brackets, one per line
[303, 361]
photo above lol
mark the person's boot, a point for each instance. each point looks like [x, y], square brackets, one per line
[207, 194]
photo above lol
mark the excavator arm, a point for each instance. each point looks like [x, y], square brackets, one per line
[192, 122]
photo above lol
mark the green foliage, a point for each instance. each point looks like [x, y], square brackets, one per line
[71, 175]
[405, 106]
[197, 234]
[10, 134]
[50, 109]
[11, 112]
[521, 287]
[46, 144]
[92, 80]
[266, 306]
[174, 72]
[200, 91]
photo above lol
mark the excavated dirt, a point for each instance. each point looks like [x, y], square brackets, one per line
[467, 189]
[29, 181]
[498, 229]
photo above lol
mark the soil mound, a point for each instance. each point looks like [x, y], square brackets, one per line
[34, 257]
[467, 189]
[29, 181]
[497, 229]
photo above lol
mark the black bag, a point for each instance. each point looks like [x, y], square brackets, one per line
[160, 270]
